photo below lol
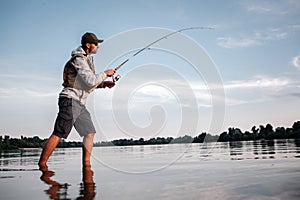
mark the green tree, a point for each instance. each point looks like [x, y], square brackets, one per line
[184, 139]
[279, 133]
[269, 131]
[262, 132]
[200, 138]
[224, 137]
[248, 136]
[237, 134]
[296, 129]
[255, 132]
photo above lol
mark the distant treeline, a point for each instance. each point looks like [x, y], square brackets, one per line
[7, 143]
[233, 134]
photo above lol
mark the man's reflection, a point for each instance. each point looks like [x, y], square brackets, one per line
[60, 191]
[56, 190]
[88, 186]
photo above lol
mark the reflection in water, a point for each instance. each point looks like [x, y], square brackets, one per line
[264, 149]
[60, 191]
[236, 148]
[88, 186]
[245, 150]
[56, 190]
[297, 144]
[23, 157]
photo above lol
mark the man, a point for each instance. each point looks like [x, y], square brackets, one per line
[79, 81]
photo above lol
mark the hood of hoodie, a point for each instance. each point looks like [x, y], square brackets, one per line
[78, 51]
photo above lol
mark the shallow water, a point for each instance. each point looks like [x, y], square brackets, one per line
[237, 170]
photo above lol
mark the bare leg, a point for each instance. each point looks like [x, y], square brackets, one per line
[87, 147]
[48, 149]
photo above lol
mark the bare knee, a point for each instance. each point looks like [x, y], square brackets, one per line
[88, 138]
[90, 135]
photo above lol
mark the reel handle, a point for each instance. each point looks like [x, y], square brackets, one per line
[115, 79]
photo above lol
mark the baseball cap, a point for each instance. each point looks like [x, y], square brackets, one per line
[90, 38]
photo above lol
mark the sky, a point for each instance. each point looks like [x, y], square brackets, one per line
[242, 73]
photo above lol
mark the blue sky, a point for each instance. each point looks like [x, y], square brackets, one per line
[254, 46]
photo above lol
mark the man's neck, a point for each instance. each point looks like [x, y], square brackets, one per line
[87, 51]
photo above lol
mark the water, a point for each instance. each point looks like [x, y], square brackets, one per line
[237, 170]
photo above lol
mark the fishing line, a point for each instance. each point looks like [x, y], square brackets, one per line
[156, 41]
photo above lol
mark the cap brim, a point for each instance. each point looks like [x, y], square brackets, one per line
[100, 41]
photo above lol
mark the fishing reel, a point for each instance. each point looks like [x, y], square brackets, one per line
[115, 79]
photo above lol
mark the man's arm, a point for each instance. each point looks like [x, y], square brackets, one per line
[85, 73]
[105, 84]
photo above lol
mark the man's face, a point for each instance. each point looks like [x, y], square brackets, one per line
[94, 48]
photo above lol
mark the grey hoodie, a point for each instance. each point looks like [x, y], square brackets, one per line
[85, 71]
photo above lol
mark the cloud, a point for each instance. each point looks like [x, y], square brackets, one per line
[27, 85]
[154, 93]
[296, 62]
[260, 89]
[20, 92]
[255, 39]
[295, 27]
[281, 7]
[271, 34]
[258, 82]
[259, 8]
[229, 42]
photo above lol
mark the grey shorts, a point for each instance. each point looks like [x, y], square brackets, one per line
[72, 113]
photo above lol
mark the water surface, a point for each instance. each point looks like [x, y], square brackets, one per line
[235, 170]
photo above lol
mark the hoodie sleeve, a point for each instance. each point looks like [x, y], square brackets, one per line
[86, 74]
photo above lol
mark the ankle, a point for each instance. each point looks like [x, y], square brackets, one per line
[42, 165]
[86, 164]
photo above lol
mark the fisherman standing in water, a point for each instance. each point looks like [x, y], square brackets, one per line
[79, 81]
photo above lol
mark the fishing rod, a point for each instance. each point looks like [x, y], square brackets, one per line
[147, 47]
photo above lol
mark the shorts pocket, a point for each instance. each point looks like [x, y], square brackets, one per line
[64, 121]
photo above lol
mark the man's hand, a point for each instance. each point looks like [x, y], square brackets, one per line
[108, 84]
[110, 72]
